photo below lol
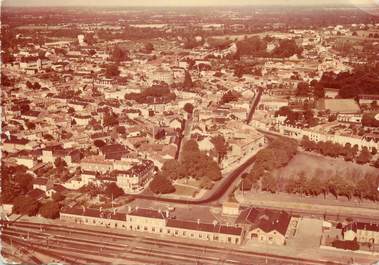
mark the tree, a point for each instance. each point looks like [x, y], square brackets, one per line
[161, 185]
[112, 71]
[188, 107]
[110, 119]
[221, 146]
[60, 163]
[25, 181]
[36, 86]
[25, 205]
[187, 83]
[315, 185]
[213, 171]
[171, 169]
[190, 146]
[50, 210]
[149, 47]
[269, 183]
[374, 151]
[99, 143]
[57, 197]
[119, 55]
[319, 91]
[364, 157]
[302, 89]
[113, 190]
[245, 184]
[29, 84]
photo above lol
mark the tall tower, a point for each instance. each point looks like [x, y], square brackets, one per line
[81, 39]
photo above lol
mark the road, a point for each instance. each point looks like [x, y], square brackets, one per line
[254, 106]
[186, 135]
[78, 245]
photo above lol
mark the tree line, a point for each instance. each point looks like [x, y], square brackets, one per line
[349, 152]
[278, 154]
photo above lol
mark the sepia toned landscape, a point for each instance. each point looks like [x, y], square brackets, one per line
[190, 132]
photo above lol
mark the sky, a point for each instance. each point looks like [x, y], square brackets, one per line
[28, 3]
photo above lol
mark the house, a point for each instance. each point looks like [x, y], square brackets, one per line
[36, 194]
[204, 231]
[363, 232]
[96, 163]
[93, 217]
[176, 124]
[114, 151]
[134, 179]
[146, 220]
[13, 144]
[349, 118]
[27, 161]
[40, 183]
[331, 92]
[265, 225]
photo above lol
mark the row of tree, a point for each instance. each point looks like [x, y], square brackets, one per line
[362, 80]
[337, 184]
[276, 155]
[331, 149]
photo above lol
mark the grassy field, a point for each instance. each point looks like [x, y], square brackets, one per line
[313, 164]
[185, 190]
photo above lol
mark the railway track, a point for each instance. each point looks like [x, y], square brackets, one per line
[80, 243]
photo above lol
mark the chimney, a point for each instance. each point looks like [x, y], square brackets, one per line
[198, 221]
[167, 213]
[100, 209]
[84, 208]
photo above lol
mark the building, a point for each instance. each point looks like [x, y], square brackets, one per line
[363, 232]
[368, 99]
[134, 179]
[331, 92]
[316, 136]
[265, 225]
[230, 208]
[350, 118]
[154, 222]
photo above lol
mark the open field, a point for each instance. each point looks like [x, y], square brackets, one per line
[316, 164]
[185, 190]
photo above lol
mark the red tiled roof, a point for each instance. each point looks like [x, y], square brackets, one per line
[266, 219]
[40, 181]
[147, 213]
[96, 213]
[205, 227]
[14, 140]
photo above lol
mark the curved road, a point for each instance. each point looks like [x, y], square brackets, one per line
[220, 189]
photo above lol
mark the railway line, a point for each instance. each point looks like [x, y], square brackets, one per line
[82, 246]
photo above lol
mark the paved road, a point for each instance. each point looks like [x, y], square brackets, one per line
[254, 106]
[186, 136]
